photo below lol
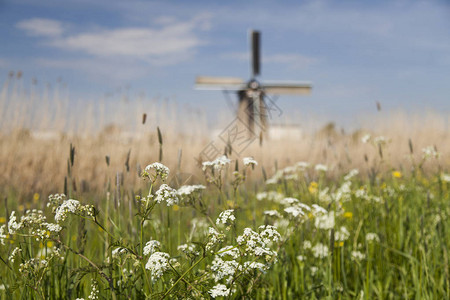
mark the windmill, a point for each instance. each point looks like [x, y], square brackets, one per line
[252, 109]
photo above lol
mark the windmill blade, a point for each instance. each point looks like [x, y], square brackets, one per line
[219, 83]
[255, 59]
[287, 87]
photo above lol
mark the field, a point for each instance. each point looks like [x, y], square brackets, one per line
[328, 214]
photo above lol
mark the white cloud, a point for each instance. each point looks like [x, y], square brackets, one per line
[170, 41]
[41, 27]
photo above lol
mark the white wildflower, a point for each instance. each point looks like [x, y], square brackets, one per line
[94, 291]
[301, 257]
[188, 249]
[357, 255]
[168, 194]
[218, 164]
[269, 234]
[151, 247]
[321, 168]
[314, 270]
[301, 165]
[3, 235]
[270, 196]
[295, 211]
[307, 245]
[318, 210]
[187, 190]
[68, 206]
[255, 266]
[289, 201]
[53, 227]
[229, 251]
[372, 237]
[160, 170]
[158, 263]
[13, 226]
[445, 177]
[320, 250]
[351, 174]
[249, 161]
[380, 140]
[272, 213]
[342, 234]
[214, 238]
[13, 254]
[365, 139]
[219, 290]
[226, 217]
[223, 268]
[325, 221]
[430, 152]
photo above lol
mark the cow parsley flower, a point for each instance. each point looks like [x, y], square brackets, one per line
[272, 213]
[3, 235]
[13, 226]
[168, 194]
[226, 217]
[223, 268]
[187, 190]
[325, 221]
[294, 211]
[366, 138]
[219, 290]
[189, 249]
[430, 152]
[372, 237]
[158, 263]
[151, 247]
[218, 164]
[229, 251]
[161, 171]
[214, 238]
[68, 206]
[320, 250]
[269, 234]
[342, 234]
[321, 168]
[358, 256]
[249, 161]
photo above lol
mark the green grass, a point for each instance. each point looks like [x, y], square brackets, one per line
[409, 214]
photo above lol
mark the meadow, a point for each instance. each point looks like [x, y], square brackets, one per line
[92, 211]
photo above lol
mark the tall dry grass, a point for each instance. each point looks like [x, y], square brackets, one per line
[38, 125]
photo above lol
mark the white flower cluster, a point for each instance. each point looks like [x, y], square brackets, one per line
[167, 194]
[357, 255]
[160, 171]
[158, 263]
[74, 207]
[270, 196]
[342, 234]
[34, 222]
[94, 291]
[320, 250]
[3, 235]
[321, 168]
[187, 190]
[325, 221]
[189, 249]
[223, 269]
[372, 237]
[256, 243]
[249, 161]
[32, 266]
[55, 200]
[230, 251]
[13, 254]
[218, 164]
[430, 152]
[219, 290]
[226, 217]
[272, 213]
[214, 238]
[151, 247]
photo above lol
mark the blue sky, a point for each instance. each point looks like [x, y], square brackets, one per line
[354, 52]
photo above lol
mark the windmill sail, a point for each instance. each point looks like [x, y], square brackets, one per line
[219, 83]
[287, 87]
[255, 59]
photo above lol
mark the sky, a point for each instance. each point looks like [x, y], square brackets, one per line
[355, 53]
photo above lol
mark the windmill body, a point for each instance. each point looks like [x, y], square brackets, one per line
[253, 107]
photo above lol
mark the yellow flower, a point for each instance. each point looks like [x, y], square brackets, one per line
[175, 207]
[313, 187]
[230, 204]
[36, 198]
[49, 244]
[338, 244]
[2, 220]
[348, 215]
[21, 207]
[397, 174]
